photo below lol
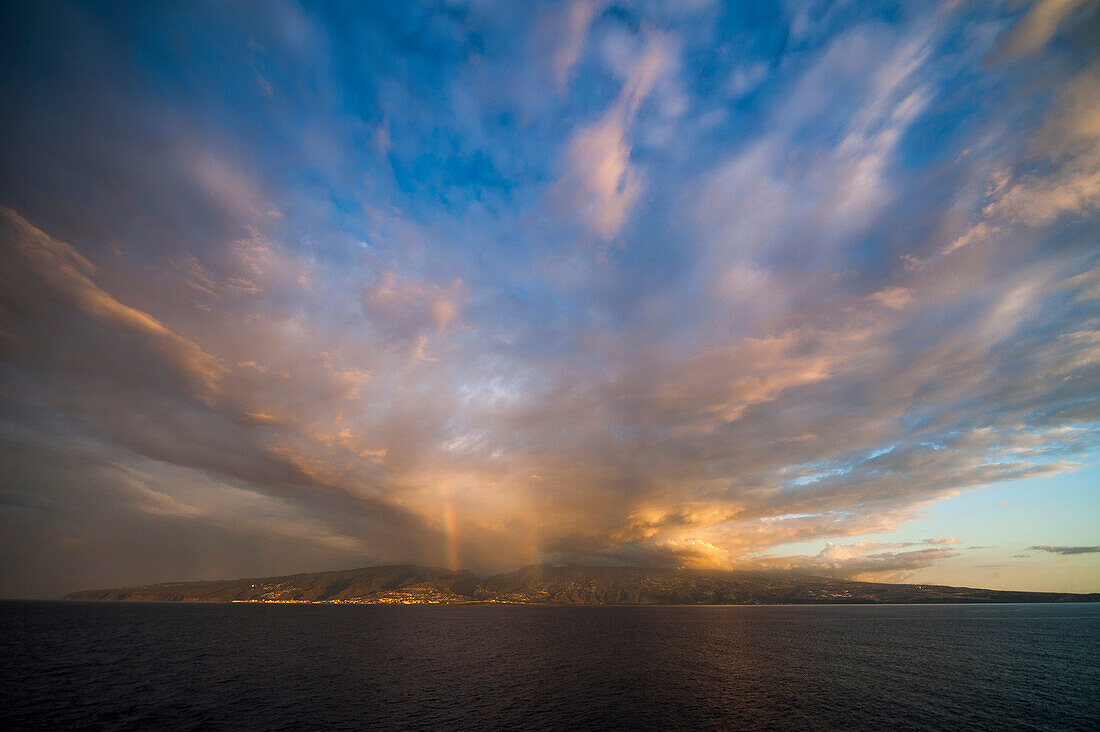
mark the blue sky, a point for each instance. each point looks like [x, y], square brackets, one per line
[803, 285]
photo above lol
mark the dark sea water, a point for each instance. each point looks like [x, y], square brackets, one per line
[192, 666]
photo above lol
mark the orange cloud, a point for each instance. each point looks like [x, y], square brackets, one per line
[68, 273]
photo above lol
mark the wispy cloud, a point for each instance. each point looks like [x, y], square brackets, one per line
[578, 18]
[600, 182]
[1067, 550]
[1037, 26]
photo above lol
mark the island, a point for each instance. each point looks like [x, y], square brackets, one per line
[411, 584]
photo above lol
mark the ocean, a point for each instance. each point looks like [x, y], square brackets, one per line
[204, 666]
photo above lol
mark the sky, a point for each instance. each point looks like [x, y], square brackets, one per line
[805, 285]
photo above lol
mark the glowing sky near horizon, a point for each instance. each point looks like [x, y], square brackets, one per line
[802, 285]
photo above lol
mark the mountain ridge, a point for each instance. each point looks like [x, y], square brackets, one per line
[563, 584]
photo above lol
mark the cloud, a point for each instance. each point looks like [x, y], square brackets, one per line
[62, 269]
[157, 503]
[854, 561]
[1035, 29]
[600, 183]
[744, 80]
[579, 16]
[895, 298]
[1067, 550]
[1068, 142]
[408, 304]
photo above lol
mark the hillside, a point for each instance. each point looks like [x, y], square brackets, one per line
[401, 583]
[562, 585]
